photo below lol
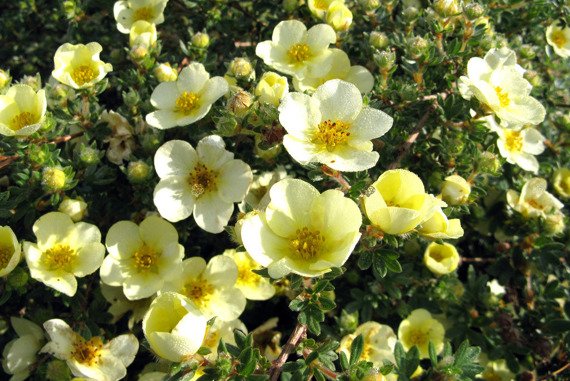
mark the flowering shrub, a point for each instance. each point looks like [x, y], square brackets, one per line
[285, 190]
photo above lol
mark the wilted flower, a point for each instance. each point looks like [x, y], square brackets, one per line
[174, 327]
[186, 100]
[79, 66]
[302, 231]
[121, 141]
[22, 110]
[258, 195]
[294, 50]
[141, 258]
[205, 182]
[418, 330]
[211, 287]
[91, 358]
[332, 127]
[441, 259]
[10, 250]
[64, 250]
[559, 39]
[128, 12]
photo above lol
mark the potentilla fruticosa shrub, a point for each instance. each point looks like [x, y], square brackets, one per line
[284, 190]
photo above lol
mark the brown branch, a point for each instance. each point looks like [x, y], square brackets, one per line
[412, 138]
[297, 335]
[478, 260]
[556, 372]
[7, 160]
[66, 138]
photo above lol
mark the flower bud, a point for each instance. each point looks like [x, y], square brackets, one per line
[290, 5]
[349, 321]
[418, 46]
[240, 103]
[90, 155]
[410, 14]
[74, 208]
[455, 190]
[533, 77]
[385, 60]
[165, 73]
[53, 179]
[4, 78]
[489, 162]
[527, 51]
[561, 182]
[339, 16]
[241, 68]
[200, 40]
[10, 250]
[138, 172]
[378, 40]
[18, 278]
[555, 224]
[441, 259]
[446, 8]
[474, 11]
[370, 5]
[139, 52]
[34, 81]
[271, 88]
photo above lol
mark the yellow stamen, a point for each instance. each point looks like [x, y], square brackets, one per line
[187, 102]
[299, 53]
[202, 180]
[245, 274]
[145, 259]
[504, 99]
[87, 351]
[558, 38]
[83, 74]
[199, 291]
[535, 204]
[417, 337]
[59, 257]
[6, 253]
[144, 13]
[22, 120]
[513, 141]
[331, 134]
[307, 244]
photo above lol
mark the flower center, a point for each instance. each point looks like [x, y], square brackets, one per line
[145, 259]
[6, 253]
[59, 257]
[504, 100]
[558, 38]
[199, 291]
[321, 5]
[144, 13]
[187, 102]
[83, 74]
[331, 134]
[87, 351]
[202, 180]
[245, 275]
[299, 53]
[307, 244]
[437, 255]
[417, 338]
[535, 204]
[514, 141]
[21, 120]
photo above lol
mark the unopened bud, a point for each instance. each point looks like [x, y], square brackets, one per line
[74, 208]
[489, 162]
[200, 40]
[90, 155]
[18, 278]
[418, 47]
[378, 40]
[240, 103]
[474, 10]
[410, 14]
[370, 5]
[385, 60]
[446, 8]
[165, 73]
[241, 68]
[138, 172]
[53, 179]
[290, 5]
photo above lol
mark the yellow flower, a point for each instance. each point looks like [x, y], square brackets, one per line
[438, 226]
[91, 358]
[441, 259]
[294, 50]
[379, 343]
[561, 182]
[10, 251]
[534, 201]
[74, 208]
[332, 127]
[174, 327]
[340, 69]
[141, 257]
[455, 190]
[21, 353]
[4, 78]
[79, 66]
[397, 202]
[22, 110]
[165, 73]
[204, 182]
[271, 88]
[418, 330]
[127, 12]
[559, 39]
[496, 370]
[211, 287]
[319, 7]
[143, 34]
[302, 230]
[497, 82]
[64, 250]
[221, 330]
[186, 100]
[252, 285]
[339, 16]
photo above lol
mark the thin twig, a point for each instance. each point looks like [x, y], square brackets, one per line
[556, 372]
[297, 335]
[412, 138]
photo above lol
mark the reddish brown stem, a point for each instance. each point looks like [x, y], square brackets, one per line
[298, 334]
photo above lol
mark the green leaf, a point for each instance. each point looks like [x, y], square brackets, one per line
[432, 354]
[356, 349]
[344, 364]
